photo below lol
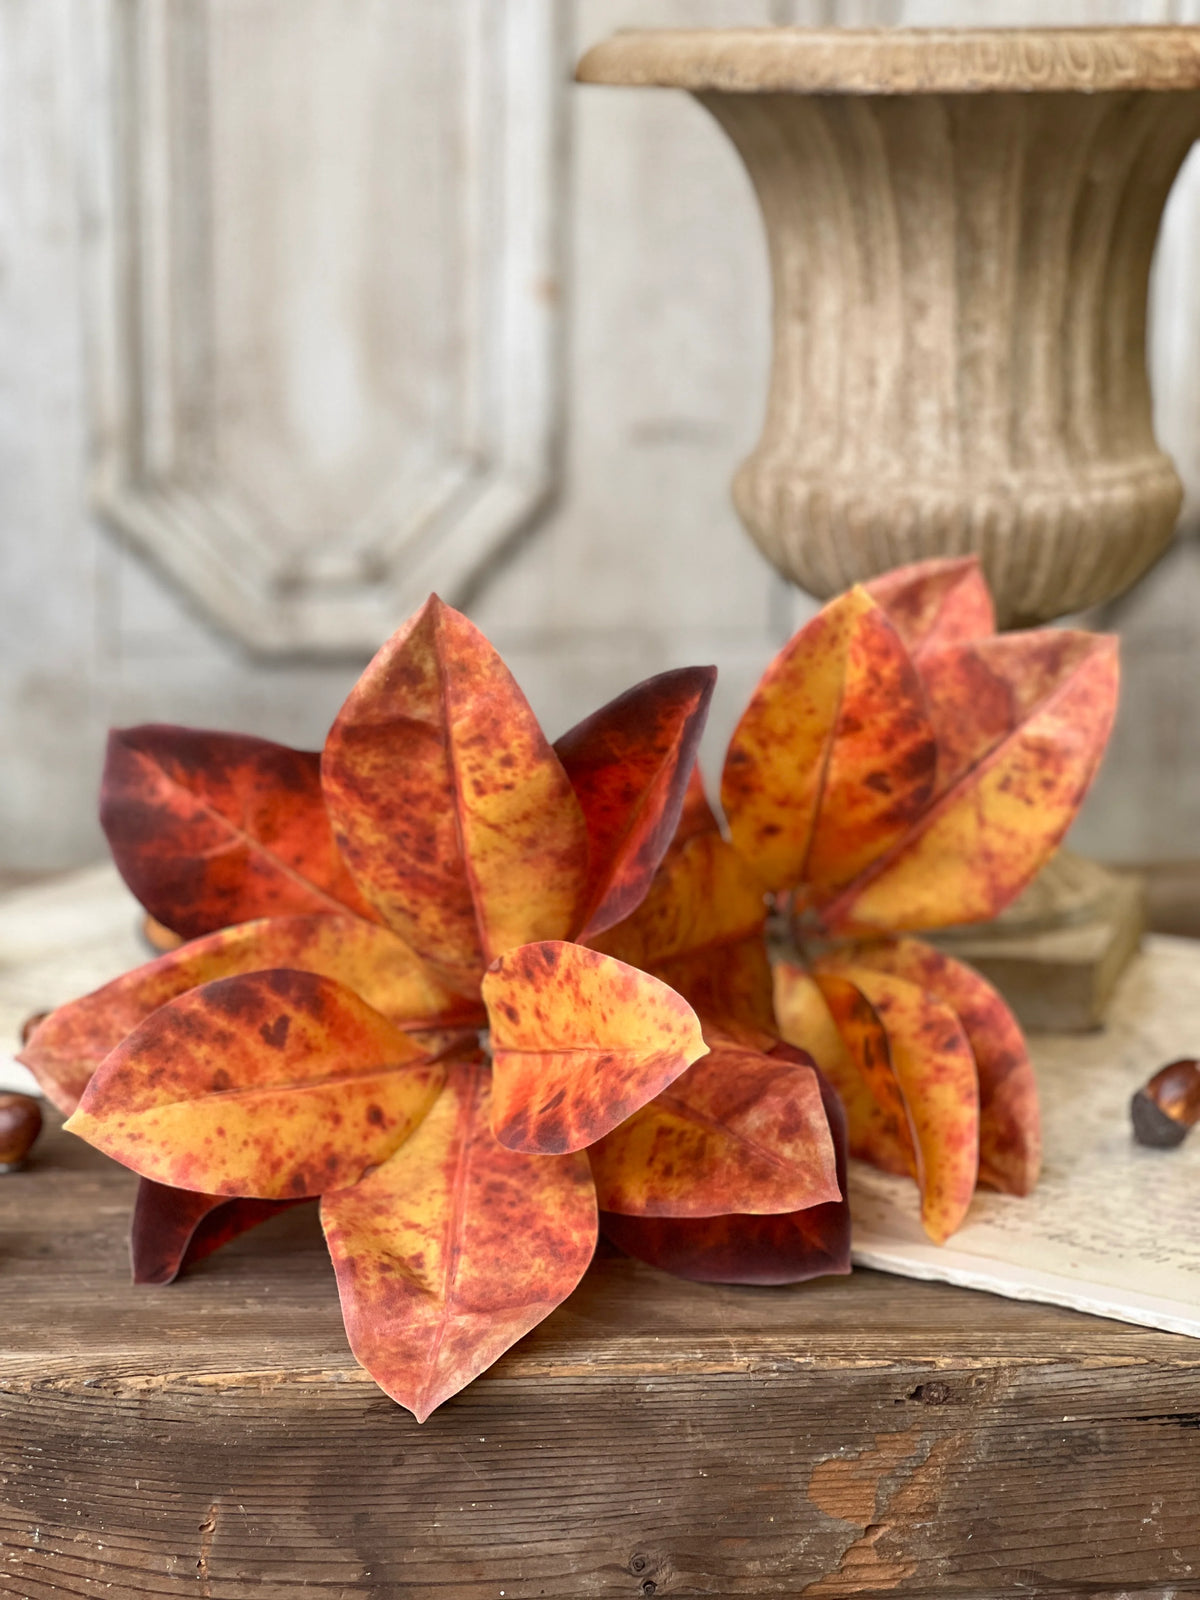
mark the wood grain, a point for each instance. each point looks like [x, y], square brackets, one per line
[854, 1437]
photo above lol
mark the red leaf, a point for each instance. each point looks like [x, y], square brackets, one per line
[453, 813]
[629, 764]
[1010, 1134]
[450, 1252]
[579, 1043]
[174, 1227]
[271, 1085]
[697, 815]
[213, 828]
[740, 1129]
[935, 603]
[67, 1047]
[747, 1249]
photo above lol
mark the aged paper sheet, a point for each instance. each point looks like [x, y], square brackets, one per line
[1112, 1228]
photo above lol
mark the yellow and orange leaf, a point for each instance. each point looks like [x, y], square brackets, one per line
[834, 757]
[738, 1131]
[213, 828]
[579, 1043]
[1004, 814]
[451, 1251]
[874, 1134]
[1010, 1131]
[67, 1047]
[703, 897]
[915, 1058]
[271, 1085]
[629, 765]
[935, 603]
[453, 813]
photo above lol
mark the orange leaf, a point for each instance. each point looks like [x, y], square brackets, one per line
[453, 813]
[455, 1248]
[67, 1047]
[935, 603]
[1010, 1134]
[834, 757]
[213, 828]
[788, 1248]
[739, 1131]
[1001, 818]
[629, 764]
[703, 897]
[579, 1043]
[729, 984]
[805, 1020]
[174, 1227]
[270, 1085]
[914, 1056]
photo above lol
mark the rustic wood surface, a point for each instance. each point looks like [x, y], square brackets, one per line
[854, 1437]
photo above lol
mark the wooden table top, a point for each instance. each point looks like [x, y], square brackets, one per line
[853, 1436]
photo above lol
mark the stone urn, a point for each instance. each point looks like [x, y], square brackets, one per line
[960, 227]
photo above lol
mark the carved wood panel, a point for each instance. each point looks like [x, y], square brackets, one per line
[328, 383]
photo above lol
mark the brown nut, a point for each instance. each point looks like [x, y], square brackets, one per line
[1166, 1110]
[20, 1124]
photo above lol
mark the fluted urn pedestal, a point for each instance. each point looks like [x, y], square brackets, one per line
[960, 226]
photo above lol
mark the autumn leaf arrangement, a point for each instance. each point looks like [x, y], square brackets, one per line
[484, 997]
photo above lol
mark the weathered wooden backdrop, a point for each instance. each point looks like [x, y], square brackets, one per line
[307, 306]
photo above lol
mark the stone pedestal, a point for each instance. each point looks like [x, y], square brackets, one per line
[960, 227]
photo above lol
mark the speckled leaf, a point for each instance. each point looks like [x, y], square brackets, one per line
[172, 1228]
[270, 1085]
[450, 1252]
[1010, 1132]
[629, 764]
[729, 983]
[702, 897]
[834, 757]
[740, 1131]
[733, 1248]
[1001, 819]
[935, 603]
[208, 829]
[65, 1049]
[916, 1060]
[805, 1020]
[579, 1043]
[453, 813]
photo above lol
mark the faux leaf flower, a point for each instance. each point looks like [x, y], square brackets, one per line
[901, 767]
[382, 1002]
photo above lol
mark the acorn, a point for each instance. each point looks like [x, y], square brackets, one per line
[20, 1124]
[1167, 1108]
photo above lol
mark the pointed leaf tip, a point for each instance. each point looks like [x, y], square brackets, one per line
[455, 1248]
[629, 763]
[452, 811]
[834, 756]
[580, 1041]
